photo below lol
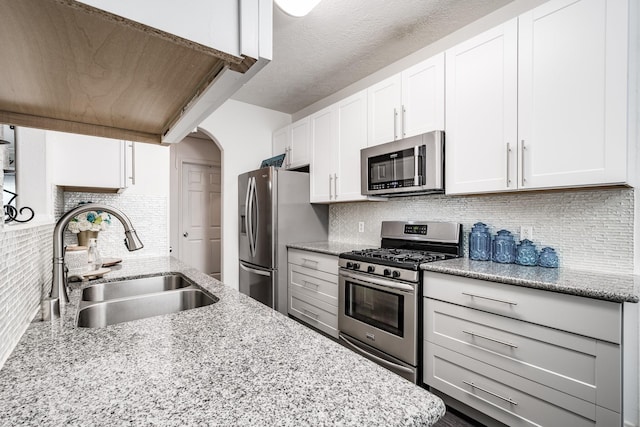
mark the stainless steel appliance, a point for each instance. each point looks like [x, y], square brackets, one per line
[380, 292]
[274, 210]
[412, 165]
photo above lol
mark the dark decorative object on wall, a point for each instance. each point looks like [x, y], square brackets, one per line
[11, 212]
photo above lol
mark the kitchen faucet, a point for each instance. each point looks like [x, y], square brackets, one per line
[51, 305]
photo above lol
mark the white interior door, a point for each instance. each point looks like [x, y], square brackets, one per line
[200, 217]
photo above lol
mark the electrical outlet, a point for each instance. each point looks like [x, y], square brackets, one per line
[361, 227]
[526, 232]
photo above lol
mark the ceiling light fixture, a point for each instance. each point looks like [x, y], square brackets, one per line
[297, 8]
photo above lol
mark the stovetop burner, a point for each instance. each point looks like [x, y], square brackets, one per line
[401, 258]
[404, 246]
[398, 255]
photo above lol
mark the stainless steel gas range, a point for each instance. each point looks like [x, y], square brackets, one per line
[380, 292]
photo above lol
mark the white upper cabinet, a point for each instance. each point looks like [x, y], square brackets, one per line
[299, 148]
[481, 112]
[423, 97]
[385, 105]
[352, 137]
[324, 149]
[84, 163]
[540, 101]
[337, 134]
[572, 94]
[408, 103]
[293, 141]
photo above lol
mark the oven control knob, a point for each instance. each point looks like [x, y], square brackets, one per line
[371, 269]
[349, 265]
[356, 266]
[396, 274]
[387, 272]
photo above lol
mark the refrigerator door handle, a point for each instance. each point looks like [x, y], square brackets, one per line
[254, 271]
[250, 207]
[247, 211]
[257, 208]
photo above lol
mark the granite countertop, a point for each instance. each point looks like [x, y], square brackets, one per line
[604, 286]
[329, 247]
[235, 362]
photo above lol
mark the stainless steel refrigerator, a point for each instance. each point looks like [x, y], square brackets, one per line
[274, 210]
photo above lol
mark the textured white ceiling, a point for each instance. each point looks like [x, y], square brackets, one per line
[343, 41]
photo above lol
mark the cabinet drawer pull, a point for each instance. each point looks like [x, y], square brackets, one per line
[309, 285]
[489, 298]
[506, 399]
[309, 263]
[311, 314]
[473, 334]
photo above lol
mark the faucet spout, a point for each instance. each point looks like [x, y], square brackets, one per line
[58, 294]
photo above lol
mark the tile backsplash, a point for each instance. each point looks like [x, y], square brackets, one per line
[148, 214]
[25, 276]
[590, 229]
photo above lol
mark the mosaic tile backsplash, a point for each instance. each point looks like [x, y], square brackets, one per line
[25, 276]
[148, 214]
[590, 229]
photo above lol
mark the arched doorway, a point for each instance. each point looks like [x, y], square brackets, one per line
[196, 203]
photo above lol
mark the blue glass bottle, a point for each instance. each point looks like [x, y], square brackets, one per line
[548, 258]
[504, 247]
[526, 253]
[480, 242]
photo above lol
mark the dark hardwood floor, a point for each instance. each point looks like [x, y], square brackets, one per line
[455, 419]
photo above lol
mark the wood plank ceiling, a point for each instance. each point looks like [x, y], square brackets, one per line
[69, 67]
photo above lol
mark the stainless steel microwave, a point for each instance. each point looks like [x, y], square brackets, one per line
[409, 166]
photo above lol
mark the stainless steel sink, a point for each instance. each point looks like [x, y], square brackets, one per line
[134, 287]
[116, 302]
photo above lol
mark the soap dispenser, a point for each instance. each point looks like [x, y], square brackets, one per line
[93, 255]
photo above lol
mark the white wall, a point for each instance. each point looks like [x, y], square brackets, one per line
[243, 132]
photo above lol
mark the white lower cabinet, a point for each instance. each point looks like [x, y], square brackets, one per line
[313, 289]
[521, 356]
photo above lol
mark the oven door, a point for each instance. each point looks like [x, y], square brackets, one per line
[380, 313]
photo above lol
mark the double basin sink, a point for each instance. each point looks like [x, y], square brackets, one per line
[123, 301]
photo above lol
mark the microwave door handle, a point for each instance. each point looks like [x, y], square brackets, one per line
[376, 358]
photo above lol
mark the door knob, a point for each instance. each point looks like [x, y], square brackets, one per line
[186, 234]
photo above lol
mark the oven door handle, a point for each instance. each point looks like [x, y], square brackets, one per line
[379, 282]
[376, 358]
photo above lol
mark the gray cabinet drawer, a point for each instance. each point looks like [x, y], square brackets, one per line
[317, 284]
[585, 316]
[574, 364]
[314, 312]
[508, 398]
[314, 260]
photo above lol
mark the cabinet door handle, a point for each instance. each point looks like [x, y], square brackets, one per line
[395, 124]
[330, 185]
[522, 158]
[489, 298]
[506, 399]
[287, 152]
[306, 261]
[133, 163]
[335, 186]
[484, 337]
[309, 285]
[311, 314]
[508, 162]
[404, 121]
